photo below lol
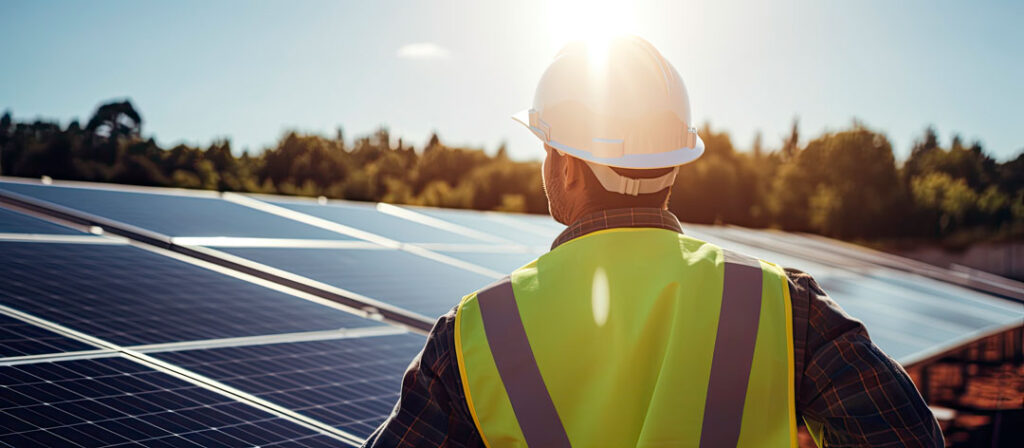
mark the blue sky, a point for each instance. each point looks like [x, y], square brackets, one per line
[250, 70]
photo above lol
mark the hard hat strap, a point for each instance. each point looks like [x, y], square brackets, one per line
[617, 183]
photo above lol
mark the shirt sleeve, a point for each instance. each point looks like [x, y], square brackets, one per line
[850, 393]
[432, 410]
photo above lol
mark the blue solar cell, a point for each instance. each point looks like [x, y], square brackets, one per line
[173, 214]
[368, 219]
[14, 222]
[114, 401]
[351, 384]
[19, 338]
[499, 227]
[395, 277]
[129, 296]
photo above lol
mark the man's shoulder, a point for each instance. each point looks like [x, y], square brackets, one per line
[439, 350]
[806, 290]
[800, 280]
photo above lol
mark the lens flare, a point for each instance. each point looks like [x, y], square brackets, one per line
[600, 297]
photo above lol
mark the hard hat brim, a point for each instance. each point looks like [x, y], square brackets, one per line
[523, 117]
[676, 157]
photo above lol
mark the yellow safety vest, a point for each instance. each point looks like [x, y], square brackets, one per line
[631, 337]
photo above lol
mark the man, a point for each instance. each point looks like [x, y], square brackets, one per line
[630, 333]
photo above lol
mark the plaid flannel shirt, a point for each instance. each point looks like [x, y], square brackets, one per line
[845, 385]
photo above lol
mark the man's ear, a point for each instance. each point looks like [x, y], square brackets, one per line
[573, 171]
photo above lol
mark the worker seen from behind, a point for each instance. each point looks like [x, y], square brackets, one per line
[631, 333]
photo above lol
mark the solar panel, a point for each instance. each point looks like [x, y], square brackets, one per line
[541, 223]
[500, 261]
[18, 338]
[856, 257]
[172, 214]
[905, 314]
[14, 222]
[351, 384]
[132, 296]
[114, 401]
[396, 277]
[366, 217]
[508, 229]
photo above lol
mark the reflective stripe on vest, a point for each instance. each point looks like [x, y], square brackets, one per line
[734, 351]
[511, 350]
[530, 383]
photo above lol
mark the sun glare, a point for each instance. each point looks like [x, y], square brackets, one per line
[593, 21]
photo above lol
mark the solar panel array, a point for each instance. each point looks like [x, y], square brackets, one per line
[78, 318]
[233, 333]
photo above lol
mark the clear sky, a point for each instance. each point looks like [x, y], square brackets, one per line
[200, 70]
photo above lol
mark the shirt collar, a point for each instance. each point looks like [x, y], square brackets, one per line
[620, 217]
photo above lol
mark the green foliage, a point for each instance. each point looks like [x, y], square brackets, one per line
[948, 198]
[721, 188]
[843, 184]
[855, 167]
[439, 194]
[824, 210]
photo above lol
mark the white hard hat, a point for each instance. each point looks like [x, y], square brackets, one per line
[621, 104]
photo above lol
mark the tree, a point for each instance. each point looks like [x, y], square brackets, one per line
[109, 125]
[951, 199]
[844, 184]
[791, 145]
[721, 187]
[756, 147]
[855, 165]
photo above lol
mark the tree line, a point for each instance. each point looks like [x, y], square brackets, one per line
[845, 184]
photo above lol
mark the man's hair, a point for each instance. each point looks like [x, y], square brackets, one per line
[608, 200]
